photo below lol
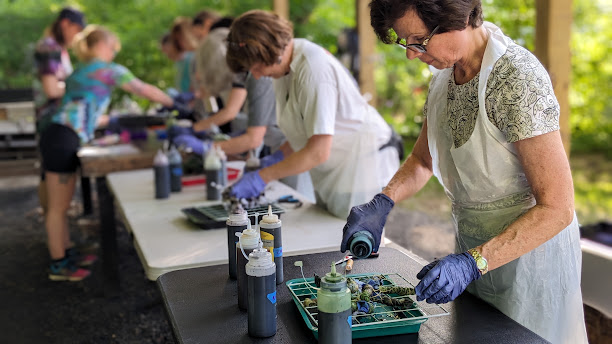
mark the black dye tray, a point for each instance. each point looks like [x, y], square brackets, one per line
[215, 216]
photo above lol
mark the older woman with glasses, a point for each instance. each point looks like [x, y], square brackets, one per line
[491, 137]
[331, 130]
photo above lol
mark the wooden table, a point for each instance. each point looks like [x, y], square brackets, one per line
[201, 307]
[98, 162]
[165, 240]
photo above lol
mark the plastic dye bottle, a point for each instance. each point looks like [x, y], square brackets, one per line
[360, 244]
[223, 159]
[249, 238]
[261, 272]
[270, 232]
[252, 163]
[212, 169]
[161, 170]
[237, 222]
[176, 169]
[334, 306]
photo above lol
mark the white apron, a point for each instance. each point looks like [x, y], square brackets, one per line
[350, 176]
[487, 185]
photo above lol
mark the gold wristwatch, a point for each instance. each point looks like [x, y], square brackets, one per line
[481, 262]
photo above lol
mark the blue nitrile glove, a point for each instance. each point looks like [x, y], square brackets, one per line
[249, 186]
[184, 111]
[197, 146]
[370, 217]
[183, 97]
[363, 306]
[447, 279]
[175, 131]
[271, 159]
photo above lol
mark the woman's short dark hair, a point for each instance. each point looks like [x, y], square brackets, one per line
[449, 15]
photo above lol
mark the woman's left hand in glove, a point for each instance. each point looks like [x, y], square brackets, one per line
[444, 280]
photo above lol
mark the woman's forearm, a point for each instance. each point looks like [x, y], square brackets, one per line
[408, 180]
[227, 114]
[142, 89]
[529, 231]
[414, 172]
[313, 154]
[548, 173]
[252, 139]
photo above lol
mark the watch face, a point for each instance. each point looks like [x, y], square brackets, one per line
[481, 264]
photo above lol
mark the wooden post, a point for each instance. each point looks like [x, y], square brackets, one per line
[552, 47]
[281, 7]
[367, 51]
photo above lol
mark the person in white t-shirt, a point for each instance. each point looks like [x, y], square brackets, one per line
[330, 128]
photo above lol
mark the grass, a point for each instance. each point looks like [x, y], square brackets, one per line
[592, 175]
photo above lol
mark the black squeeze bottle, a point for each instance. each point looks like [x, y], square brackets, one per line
[237, 222]
[249, 238]
[334, 307]
[176, 169]
[261, 272]
[270, 231]
[214, 176]
[161, 169]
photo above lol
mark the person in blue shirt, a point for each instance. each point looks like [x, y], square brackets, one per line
[87, 96]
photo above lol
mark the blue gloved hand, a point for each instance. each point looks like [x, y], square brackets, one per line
[197, 146]
[446, 279]
[183, 97]
[175, 131]
[184, 111]
[370, 217]
[249, 186]
[271, 159]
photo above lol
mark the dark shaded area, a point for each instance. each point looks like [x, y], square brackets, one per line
[36, 310]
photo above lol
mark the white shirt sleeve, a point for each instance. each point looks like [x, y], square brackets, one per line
[318, 103]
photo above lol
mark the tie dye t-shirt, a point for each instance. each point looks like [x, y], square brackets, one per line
[88, 91]
[49, 59]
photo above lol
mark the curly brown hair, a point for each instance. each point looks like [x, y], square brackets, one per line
[449, 15]
[257, 37]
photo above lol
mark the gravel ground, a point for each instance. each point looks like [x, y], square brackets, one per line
[36, 310]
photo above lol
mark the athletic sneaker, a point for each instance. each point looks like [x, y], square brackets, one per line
[80, 259]
[65, 270]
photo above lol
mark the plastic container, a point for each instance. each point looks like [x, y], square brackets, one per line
[237, 222]
[270, 232]
[409, 319]
[249, 238]
[161, 169]
[360, 244]
[176, 169]
[334, 309]
[261, 272]
[214, 176]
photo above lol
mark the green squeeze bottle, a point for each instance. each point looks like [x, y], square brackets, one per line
[334, 305]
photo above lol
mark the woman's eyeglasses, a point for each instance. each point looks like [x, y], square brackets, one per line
[416, 47]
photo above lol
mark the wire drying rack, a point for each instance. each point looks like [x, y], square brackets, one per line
[218, 212]
[214, 216]
[384, 320]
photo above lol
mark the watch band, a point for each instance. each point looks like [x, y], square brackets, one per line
[481, 262]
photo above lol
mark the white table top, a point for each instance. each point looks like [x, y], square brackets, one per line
[167, 241]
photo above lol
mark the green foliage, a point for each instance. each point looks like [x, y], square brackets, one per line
[591, 84]
[401, 84]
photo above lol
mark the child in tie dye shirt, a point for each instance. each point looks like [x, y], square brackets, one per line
[88, 91]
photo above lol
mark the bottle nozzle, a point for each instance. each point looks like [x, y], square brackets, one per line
[333, 268]
[270, 210]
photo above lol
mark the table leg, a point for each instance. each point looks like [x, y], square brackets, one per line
[108, 226]
[86, 195]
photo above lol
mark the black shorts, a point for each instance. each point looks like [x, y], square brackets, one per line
[58, 147]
